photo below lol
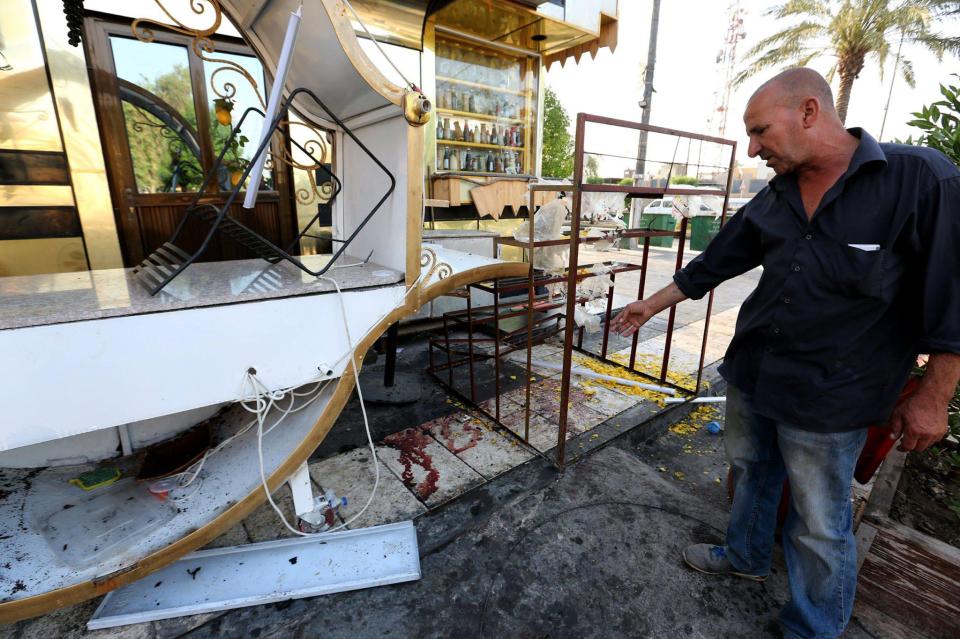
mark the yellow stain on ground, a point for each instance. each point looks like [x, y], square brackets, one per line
[695, 421]
[613, 370]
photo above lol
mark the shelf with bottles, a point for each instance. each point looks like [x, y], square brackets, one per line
[477, 159]
[479, 145]
[479, 133]
[486, 105]
[488, 101]
[480, 116]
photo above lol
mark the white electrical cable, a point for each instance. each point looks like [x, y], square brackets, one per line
[262, 407]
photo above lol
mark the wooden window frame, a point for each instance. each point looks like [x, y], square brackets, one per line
[98, 29]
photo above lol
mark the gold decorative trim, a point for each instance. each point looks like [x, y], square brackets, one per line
[430, 261]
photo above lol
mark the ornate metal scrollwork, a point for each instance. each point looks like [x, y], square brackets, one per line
[430, 261]
[204, 47]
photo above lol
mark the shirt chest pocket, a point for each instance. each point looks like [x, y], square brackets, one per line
[859, 272]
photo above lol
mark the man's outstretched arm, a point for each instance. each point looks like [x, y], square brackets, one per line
[636, 314]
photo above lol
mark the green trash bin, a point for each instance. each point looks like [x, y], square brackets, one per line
[658, 222]
[703, 228]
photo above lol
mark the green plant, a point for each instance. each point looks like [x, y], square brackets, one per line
[684, 179]
[954, 505]
[556, 159]
[940, 123]
[594, 179]
[850, 31]
[233, 159]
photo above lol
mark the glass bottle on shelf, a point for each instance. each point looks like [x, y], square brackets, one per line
[446, 160]
[439, 129]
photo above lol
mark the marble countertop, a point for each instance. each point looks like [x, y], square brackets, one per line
[56, 298]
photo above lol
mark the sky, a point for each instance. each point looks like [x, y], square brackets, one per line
[686, 76]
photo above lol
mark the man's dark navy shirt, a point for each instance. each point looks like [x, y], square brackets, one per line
[849, 297]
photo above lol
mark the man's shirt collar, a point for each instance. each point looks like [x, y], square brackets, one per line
[868, 152]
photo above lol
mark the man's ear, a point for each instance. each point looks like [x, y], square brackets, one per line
[811, 111]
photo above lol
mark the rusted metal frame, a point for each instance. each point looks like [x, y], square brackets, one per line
[606, 315]
[509, 241]
[571, 288]
[643, 281]
[639, 126]
[446, 340]
[665, 366]
[473, 384]
[496, 346]
[706, 324]
[531, 275]
[583, 305]
[648, 190]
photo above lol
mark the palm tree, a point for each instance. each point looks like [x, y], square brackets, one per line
[851, 31]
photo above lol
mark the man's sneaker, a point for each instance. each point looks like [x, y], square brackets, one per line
[713, 560]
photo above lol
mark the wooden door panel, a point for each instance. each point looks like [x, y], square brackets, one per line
[158, 221]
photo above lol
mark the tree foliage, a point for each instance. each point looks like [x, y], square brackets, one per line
[155, 150]
[940, 123]
[556, 159]
[684, 179]
[851, 31]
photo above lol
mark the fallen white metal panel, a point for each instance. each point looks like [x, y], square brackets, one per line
[226, 578]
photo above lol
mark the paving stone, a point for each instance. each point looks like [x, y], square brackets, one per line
[478, 443]
[580, 418]
[520, 359]
[430, 471]
[71, 623]
[543, 429]
[510, 401]
[236, 536]
[179, 626]
[607, 401]
[351, 474]
[263, 524]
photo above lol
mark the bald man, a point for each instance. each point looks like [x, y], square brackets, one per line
[861, 272]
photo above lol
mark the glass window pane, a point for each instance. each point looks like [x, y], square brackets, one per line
[234, 84]
[161, 122]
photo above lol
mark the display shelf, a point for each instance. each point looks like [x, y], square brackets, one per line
[488, 87]
[480, 145]
[485, 87]
[482, 116]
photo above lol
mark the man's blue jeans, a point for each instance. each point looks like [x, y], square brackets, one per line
[818, 542]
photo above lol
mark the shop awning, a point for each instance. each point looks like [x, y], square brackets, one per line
[547, 29]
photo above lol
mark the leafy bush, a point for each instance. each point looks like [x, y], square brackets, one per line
[940, 123]
[556, 159]
[684, 179]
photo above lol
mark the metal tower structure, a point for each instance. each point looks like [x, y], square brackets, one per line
[726, 61]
